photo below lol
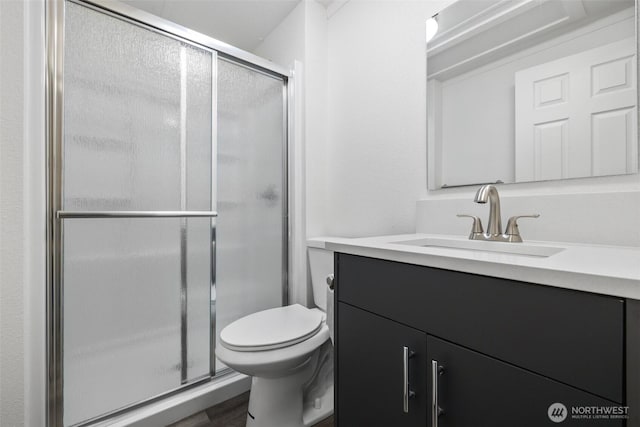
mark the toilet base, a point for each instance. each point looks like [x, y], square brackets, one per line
[277, 402]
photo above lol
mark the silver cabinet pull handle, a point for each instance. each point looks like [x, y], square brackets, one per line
[406, 392]
[436, 411]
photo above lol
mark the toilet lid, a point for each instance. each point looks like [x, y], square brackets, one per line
[271, 329]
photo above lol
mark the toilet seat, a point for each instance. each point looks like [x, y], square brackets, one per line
[272, 329]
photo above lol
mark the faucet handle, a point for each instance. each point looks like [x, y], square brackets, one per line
[476, 228]
[512, 227]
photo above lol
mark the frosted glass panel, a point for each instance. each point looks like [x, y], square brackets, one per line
[137, 136]
[137, 106]
[198, 296]
[122, 283]
[198, 128]
[250, 225]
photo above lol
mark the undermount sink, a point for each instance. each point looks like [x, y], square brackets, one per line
[521, 249]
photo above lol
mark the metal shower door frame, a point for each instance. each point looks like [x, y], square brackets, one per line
[54, 25]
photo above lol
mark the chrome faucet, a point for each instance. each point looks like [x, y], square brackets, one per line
[489, 193]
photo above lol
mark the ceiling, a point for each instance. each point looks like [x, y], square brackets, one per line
[241, 23]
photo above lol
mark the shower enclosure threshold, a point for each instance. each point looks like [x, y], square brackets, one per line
[176, 407]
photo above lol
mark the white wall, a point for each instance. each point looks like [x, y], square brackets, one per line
[11, 212]
[22, 262]
[376, 116]
[22, 208]
[317, 159]
[599, 218]
[34, 217]
[286, 43]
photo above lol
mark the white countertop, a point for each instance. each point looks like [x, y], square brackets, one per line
[609, 270]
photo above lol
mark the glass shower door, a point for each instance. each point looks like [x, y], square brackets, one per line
[251, 231]
[136, 270]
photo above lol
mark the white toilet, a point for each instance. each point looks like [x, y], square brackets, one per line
[288, 353]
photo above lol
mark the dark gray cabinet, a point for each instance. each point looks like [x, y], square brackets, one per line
[507, 349]
[480, 391]
[372, 379]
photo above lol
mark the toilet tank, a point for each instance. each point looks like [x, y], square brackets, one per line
[320, 266]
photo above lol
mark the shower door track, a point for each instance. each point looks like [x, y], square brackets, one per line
[54, 27]
[173, 30]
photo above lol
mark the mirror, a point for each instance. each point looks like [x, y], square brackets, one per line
[531, 90]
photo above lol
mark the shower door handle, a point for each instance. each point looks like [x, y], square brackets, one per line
[134, 214]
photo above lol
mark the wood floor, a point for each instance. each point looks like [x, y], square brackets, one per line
[232, 413]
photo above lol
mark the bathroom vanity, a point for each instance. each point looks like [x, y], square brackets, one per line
[423, 345]
[443, 331]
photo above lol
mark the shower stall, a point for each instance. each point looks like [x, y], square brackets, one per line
[167, 205]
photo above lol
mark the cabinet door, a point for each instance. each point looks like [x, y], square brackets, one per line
[370, 372]
[474, 390]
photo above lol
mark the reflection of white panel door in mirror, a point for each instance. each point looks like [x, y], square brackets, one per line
[577, 116]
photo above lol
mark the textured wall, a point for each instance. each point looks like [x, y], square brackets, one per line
[11, 214]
